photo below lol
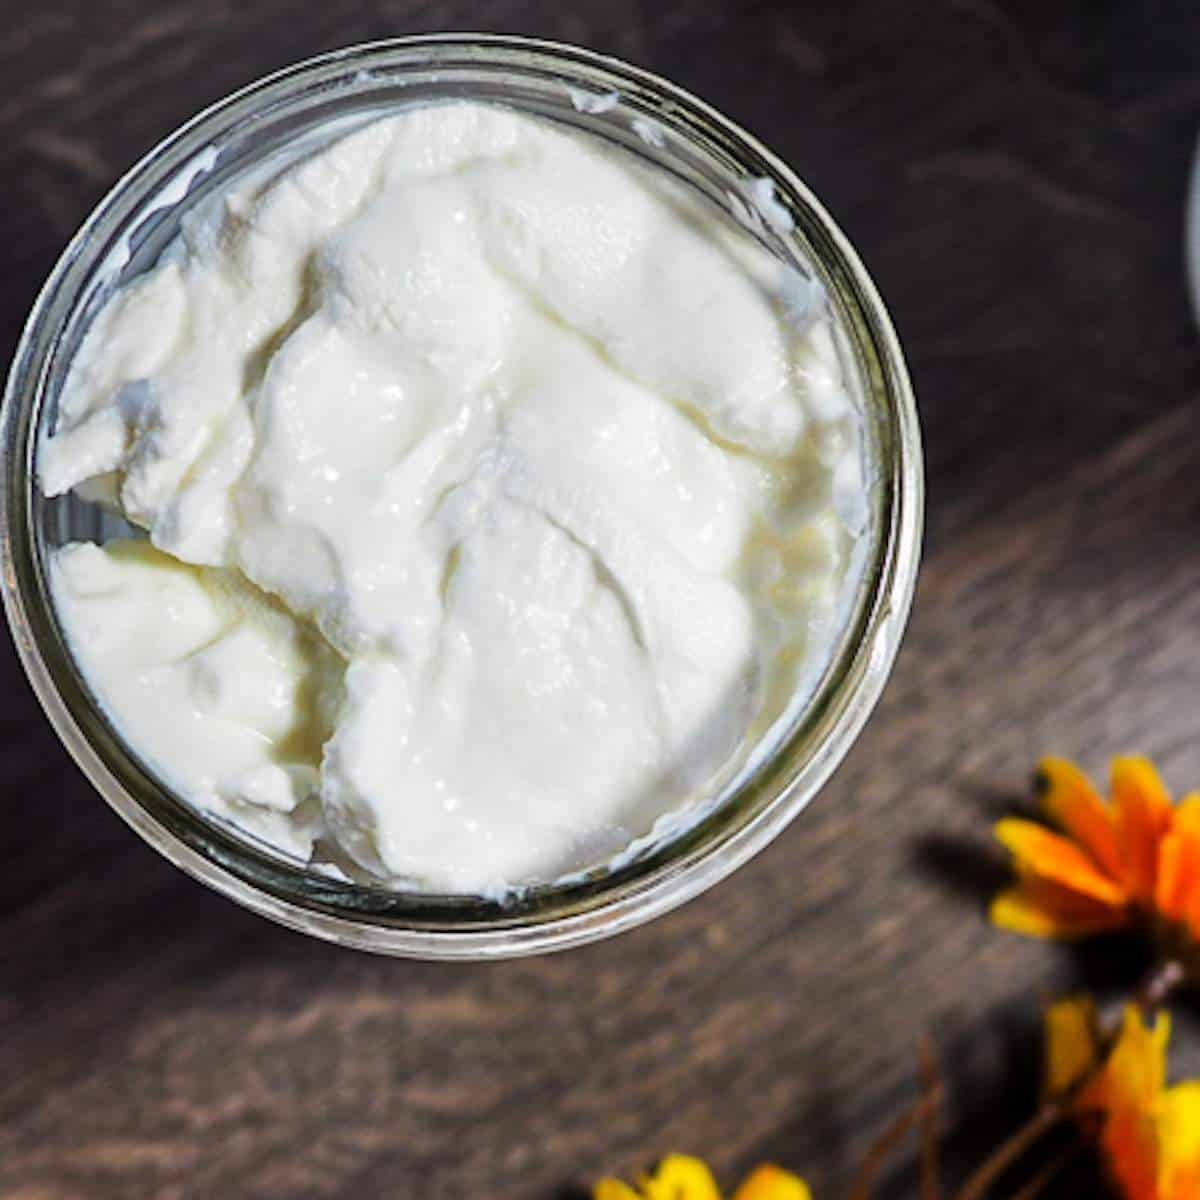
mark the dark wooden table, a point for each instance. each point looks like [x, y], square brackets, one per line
[1014, 176]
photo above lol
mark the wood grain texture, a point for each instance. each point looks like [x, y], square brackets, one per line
[1013, 174]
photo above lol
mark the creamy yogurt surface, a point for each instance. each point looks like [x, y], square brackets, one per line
[496, 497]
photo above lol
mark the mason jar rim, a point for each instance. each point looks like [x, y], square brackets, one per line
[562, 915]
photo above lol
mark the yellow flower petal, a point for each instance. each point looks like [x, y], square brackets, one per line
[1143, 819]
[1073, 804]
[1187, 815]
[680, 1177]
[613, 1189]
[1179, 1139]
[1072, 1048]
[1039, 851]
[1137, 1066]
[769, 1182]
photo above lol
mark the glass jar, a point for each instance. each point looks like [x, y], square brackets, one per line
[665, 127]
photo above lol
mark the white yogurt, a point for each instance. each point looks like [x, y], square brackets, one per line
[490, 490]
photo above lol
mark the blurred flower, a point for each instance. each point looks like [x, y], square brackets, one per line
[1136, 855]
[1148, 1133]
[680, 1177]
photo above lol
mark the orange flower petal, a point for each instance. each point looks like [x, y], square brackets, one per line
[1177, 887]
[1143, 818]
[1073, 804]
[1178, 875]
[1128, 1091]
[1040, 852]
[1172, 887]
[1130, 1146]
[1072, 1047]
[1039, 908]
[769, 1182]
[1183, 1184]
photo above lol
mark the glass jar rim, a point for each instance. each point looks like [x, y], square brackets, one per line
[413, 924]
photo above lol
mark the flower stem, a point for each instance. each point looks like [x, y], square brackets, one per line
[931, 1090]
[887, 1141]
[1049, 1173]
[1159, 986]
[1008, 1152]
[1153, 993]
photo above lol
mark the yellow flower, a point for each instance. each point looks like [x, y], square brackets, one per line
[680, 1177]
[1136, 855]
[1148, 1133]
